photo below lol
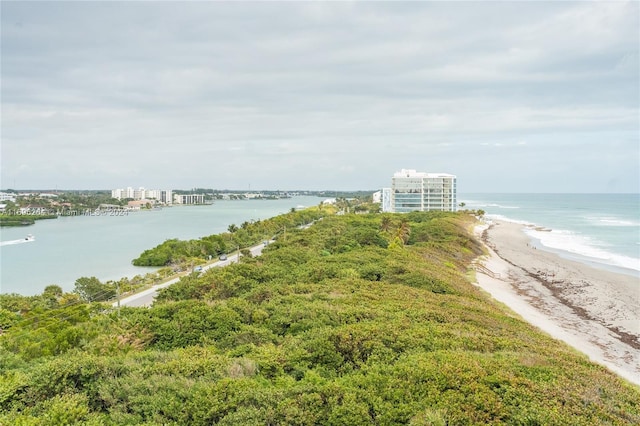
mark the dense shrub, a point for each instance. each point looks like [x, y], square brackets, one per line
[360, 319]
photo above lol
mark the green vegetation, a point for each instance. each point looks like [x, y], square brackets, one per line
[11, 219]
[32, 206]
[357, 320]
[90, 289]
[178, 252]
[87, 199]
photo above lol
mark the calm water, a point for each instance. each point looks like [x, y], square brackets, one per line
[600, 229]
[103, 246]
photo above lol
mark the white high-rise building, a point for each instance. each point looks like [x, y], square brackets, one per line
[117, 194]
[153, 194]
[139, 194]
[161, 195]
[166, 196]
[129, 193]
[417, 191]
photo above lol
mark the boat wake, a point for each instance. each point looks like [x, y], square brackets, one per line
[28, 239]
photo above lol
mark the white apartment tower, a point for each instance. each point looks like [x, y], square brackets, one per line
[161, 195]
[117, 194]
[417, 191]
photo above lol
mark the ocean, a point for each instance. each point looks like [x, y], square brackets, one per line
[67, 248]
[601, 230]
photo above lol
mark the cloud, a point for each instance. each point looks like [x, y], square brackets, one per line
[312, 89]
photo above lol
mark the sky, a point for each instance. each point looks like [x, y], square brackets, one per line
[508, 96]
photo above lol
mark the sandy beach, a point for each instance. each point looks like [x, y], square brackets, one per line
[595, 311]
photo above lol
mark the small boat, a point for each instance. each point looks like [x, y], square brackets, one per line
[30, 237]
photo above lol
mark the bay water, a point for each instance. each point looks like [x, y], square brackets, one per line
[602, 230]
[67, 248]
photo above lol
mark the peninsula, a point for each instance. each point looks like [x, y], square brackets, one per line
[358, 319]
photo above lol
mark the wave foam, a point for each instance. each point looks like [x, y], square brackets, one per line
[583, 246]
[613, 221]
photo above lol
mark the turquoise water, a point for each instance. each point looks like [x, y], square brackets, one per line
[103, 246]
[602, 230]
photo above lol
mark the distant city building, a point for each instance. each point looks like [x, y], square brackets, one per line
[153, 194]
[139, 194]
[417, 191]
[8, 196]
[160, 195]
[377, 197]
[188, 198]
[166, 196]
[138, 204]
[129, 193]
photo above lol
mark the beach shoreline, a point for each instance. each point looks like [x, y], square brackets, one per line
[596, 311]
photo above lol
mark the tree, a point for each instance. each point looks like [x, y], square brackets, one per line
[385, 223]
[51, 295]
[69, 299]
[232, 228]
[92, 290]
[404, 230]
[53, 290]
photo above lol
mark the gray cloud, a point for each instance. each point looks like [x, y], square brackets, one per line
[320, 95]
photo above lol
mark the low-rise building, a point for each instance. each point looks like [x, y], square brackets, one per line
[188, 198]
[139, 204]
[8, 196]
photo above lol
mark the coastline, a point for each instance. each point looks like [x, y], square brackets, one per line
[596, 311]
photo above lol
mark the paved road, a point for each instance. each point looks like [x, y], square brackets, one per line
[146, 297]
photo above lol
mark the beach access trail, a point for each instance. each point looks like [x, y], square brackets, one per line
[595, 311]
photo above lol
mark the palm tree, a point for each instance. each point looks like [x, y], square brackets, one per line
[404, 230]
[385, 223]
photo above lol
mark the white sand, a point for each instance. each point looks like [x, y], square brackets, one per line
[595, 311]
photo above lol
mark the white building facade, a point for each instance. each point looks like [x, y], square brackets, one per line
[386, 200]
[160, 195]
[8, 196]
[417, 191]
[188, 198]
